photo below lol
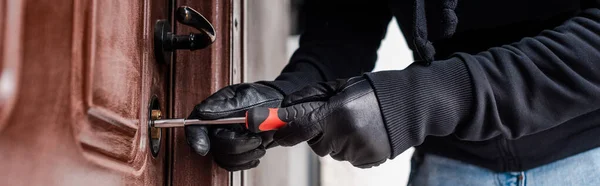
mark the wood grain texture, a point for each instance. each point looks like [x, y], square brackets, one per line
[113, 61]
[10, 50]
[120, 76]
[85, 74]
[198, 74]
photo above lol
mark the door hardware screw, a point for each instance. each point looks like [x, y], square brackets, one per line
[155, 132]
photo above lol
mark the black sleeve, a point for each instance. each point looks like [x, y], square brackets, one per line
[513, 90]
[340, 40]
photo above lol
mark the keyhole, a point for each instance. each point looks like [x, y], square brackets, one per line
[154, 134]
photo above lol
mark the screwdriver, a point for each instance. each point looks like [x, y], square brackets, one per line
[257, 120]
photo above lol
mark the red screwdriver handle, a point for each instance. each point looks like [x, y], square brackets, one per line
[262, 119]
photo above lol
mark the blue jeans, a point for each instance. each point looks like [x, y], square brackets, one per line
[432, 170]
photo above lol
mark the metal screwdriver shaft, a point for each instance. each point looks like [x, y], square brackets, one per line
[257, 120]
[169, 123]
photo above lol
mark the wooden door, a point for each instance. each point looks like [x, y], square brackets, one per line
[76, 79]
[198, 74]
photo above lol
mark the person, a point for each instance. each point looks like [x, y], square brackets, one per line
[500, 93]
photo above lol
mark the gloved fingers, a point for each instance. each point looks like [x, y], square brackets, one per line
[317, 92]
[234, 140]
[369, 165]
[235, 148]
[267, 139]
[234, 100]
[271, 145]
[367, 161]
[320, 148]
[240, 159]
[238, 167]
[198, 139]
[300, 129]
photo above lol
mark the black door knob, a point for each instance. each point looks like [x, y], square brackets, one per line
[165, 41]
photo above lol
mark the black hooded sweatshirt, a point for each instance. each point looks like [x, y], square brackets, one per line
[506, 85]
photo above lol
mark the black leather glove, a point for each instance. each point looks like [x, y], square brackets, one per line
[348, 126]
[233, 147]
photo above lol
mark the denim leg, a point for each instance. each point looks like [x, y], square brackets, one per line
[511, 178]
[439, 171]
[580, 169]
[415, 163]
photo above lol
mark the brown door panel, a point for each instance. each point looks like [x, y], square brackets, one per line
[78, 77]
[76, 81]
[197, 75]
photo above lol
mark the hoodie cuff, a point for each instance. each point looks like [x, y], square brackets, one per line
[420, 101]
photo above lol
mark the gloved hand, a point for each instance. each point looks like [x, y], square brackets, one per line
[234, 148]
[348, 126]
